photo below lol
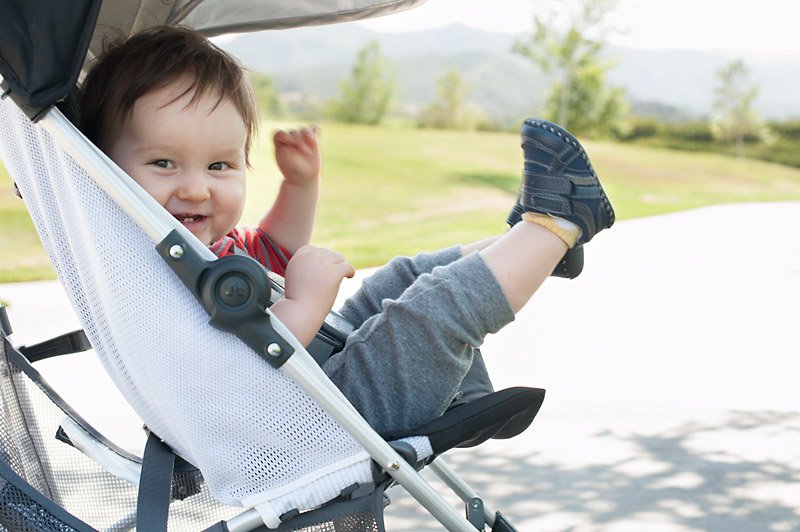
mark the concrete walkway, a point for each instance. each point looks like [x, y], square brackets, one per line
[671, 368]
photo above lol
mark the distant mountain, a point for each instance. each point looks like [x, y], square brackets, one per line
[686, 79]
[273, 51]
[669, 83]
[496, 84]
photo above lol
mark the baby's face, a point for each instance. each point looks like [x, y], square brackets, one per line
[189, 156]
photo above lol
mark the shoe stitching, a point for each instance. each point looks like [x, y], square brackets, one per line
[606, 202]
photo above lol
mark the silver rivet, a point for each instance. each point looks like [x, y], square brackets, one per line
[176, 251]
[476, 505]
[274, 350]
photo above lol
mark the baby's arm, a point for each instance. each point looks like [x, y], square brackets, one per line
[290, 221]
[313, 276]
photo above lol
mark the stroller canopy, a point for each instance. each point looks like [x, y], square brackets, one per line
[46, 43]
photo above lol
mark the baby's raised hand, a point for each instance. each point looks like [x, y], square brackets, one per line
[298, 155]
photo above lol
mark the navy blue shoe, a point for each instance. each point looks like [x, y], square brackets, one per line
[571, 264]
[558, 179]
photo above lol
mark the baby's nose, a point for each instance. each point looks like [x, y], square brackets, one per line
[194, 187]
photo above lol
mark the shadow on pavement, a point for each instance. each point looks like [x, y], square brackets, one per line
[740, 472]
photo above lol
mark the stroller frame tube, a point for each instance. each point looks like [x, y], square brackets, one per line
[464, 491]
[301, 367]
[309, 376]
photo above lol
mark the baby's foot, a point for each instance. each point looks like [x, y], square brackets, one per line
[558, 180]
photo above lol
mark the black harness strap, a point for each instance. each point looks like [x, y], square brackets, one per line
[66, 344]
[155, 481]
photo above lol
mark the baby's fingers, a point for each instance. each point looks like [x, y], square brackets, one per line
[348, 270]
[303, 140]
[283, 137]
[306, 140]
[310, 134]
[341, 266]
[291, 139]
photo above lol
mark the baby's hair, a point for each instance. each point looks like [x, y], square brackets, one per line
[154, 59]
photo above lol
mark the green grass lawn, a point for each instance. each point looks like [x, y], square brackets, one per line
[21, 255]
[389, 191]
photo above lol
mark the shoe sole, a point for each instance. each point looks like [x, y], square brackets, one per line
[571, 264]
[567, 137]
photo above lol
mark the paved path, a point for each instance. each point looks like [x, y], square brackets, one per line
[671, 367]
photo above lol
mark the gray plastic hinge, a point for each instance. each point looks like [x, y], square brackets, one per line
[475, 513]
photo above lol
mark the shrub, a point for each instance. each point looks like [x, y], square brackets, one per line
[643, 127]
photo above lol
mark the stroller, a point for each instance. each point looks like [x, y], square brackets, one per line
[256, 439]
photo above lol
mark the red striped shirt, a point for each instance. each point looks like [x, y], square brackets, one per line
[255, 243]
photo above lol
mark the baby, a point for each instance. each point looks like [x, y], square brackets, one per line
[178, 115]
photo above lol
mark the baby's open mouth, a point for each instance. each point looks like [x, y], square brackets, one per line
[189, 218]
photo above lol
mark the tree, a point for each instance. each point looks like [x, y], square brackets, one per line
[594, 108]
[579, 98]
[735, 118]
[269, 103]
[450, 111]
[366, 97]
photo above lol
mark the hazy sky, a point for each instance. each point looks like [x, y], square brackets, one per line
[753, 25]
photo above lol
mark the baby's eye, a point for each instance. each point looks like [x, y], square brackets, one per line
[163, 163]
[218, 166]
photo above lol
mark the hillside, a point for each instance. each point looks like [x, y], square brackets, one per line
[314, 60]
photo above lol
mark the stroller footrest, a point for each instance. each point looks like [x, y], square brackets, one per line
[500, 415]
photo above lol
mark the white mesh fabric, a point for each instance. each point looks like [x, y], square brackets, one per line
[251, 430]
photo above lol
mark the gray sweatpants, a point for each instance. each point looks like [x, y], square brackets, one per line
[418, 323]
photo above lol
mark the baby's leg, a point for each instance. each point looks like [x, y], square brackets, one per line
[562, 197]
[390, 281]
[404, 365]
[522, 259]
